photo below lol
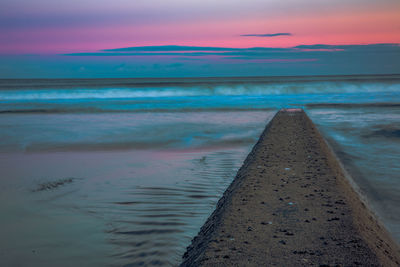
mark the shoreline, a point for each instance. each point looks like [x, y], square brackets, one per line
[292, 203]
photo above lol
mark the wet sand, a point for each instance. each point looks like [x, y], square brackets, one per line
[292, 204]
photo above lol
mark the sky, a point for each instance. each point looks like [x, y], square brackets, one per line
[85, 38]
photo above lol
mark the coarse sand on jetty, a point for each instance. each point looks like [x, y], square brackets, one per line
[291, 204]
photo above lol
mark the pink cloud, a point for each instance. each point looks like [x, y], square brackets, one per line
[341, 27]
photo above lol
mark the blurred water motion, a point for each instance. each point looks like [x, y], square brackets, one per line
[129, 169]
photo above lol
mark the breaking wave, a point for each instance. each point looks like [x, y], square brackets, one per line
[120, 89]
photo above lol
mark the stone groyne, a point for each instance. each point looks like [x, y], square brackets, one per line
[291, 204]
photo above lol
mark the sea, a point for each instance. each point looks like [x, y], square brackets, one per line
[124, 172]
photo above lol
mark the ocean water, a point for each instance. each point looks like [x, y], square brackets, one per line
[124, 172]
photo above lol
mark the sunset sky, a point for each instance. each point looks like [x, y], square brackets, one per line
[38, 37]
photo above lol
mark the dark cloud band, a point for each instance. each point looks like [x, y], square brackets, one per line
[268, 34]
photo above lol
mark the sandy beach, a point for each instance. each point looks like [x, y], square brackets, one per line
[291, 204]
